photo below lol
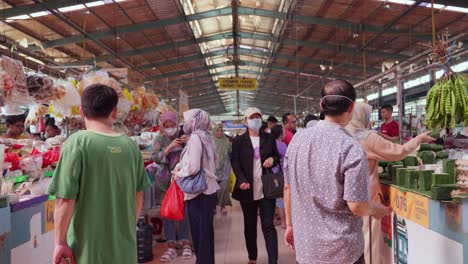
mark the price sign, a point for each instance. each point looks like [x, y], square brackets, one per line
[410, 206]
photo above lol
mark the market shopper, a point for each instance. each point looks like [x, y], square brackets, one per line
[310, 121]
[200, 154]
[252, 154]
[290, 124]
[15, 127]
[278, 133]
[377, 148]
[167, 148]
[272, 122]
[99, 185]
[390, 129]
[223, 167]
[52, 130]
[326, 185]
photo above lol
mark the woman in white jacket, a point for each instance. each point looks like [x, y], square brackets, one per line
[199, 154]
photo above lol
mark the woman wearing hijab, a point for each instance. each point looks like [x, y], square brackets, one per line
[223, 167]
[200, 154]
[168, 147]
[253, 153]
[377, 148]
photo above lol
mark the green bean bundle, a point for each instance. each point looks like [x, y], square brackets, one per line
[447, 103]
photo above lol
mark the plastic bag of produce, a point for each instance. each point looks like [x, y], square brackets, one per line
[93, 77]
[63, 106]
[34, 115]
[31, 163]
[43, 88]
[13, 159]
[51, 157]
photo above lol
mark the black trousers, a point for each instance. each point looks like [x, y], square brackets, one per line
[267, 217]
[200, 211]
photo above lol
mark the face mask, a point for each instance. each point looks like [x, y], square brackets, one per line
[170, 131]
[254, 124]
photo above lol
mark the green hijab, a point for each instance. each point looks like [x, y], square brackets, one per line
[223, 147]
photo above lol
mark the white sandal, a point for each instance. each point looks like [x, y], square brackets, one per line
[169, 255]
[187, 252]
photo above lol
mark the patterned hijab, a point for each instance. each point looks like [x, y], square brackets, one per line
[359, 125]
[198, 122]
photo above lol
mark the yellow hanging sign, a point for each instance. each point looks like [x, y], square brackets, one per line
[237, 84]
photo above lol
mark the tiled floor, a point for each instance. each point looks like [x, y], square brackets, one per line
[230, 244]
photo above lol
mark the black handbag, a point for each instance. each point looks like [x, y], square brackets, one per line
[273, 184]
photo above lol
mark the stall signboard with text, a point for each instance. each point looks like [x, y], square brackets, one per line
[410, 206]
[245, 84]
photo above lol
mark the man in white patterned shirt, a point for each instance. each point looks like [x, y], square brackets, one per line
[326, 186]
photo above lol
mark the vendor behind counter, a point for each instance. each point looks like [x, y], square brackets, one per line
[15, 127]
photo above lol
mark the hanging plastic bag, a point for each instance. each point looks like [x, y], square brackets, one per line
[63, 107]
[173, 207]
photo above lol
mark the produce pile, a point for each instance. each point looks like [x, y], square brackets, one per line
[447, 103]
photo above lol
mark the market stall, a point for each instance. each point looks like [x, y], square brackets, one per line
[430, 206]
[26, 212]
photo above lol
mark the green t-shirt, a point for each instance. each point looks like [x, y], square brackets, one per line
[102, 173]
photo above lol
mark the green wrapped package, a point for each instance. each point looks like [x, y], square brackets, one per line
[425, 180]
[450, 168]
[427, 157]
[442, 191]
[431, 147]
[410, 161]
[394, 173]
[411, 179]
[440, 178]
[442, 155]
[401, 176]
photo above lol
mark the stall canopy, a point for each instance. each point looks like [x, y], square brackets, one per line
[290, 47]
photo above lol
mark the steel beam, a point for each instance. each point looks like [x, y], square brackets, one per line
[357, 27]
[33, 8]
[245, 63]
[245, 35]
[222, 12]
[273, 67]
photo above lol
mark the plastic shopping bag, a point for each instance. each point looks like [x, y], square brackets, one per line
[173, 207]
[232, 182]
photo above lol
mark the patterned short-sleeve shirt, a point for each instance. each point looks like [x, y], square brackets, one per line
[326, 167]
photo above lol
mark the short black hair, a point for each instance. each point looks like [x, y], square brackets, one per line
[98, 101]
[285, 117]
[309, 118]
[272, 119]
[387, 107]
[50, 121]
[11, 120]
[337, 105]
[277, 131]
[264, 126]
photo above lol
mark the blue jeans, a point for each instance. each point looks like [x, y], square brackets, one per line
[183, 233]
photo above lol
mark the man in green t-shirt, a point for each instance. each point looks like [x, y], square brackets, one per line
[99, 185]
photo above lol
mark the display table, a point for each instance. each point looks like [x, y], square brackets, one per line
[422, 230]
[29, 226]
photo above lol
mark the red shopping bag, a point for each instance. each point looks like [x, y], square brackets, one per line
[173, 206]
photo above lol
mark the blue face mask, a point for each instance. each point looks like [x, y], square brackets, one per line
[254, 124]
